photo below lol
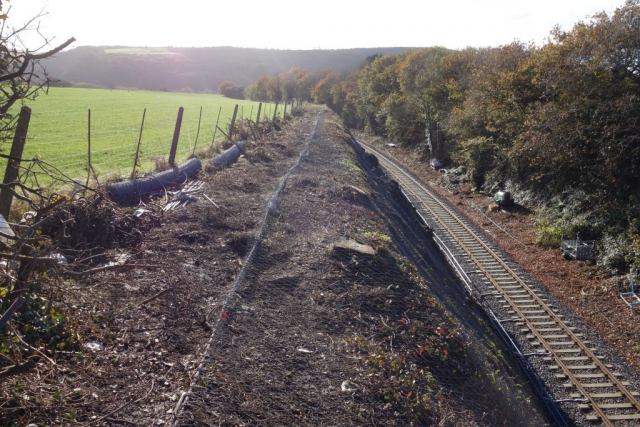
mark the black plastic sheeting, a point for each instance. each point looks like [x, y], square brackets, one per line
[130, 190]
[229, 156]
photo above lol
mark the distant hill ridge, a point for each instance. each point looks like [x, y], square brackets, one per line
[198, 69]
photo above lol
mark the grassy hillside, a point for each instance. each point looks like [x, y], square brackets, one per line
[58, 128]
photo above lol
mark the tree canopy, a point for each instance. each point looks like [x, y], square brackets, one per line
[561, 120]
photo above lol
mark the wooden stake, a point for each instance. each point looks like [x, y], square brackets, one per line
[135, 161]
[258, 116]
[216, 129]
[233, 122]
[88, 146]
[198, 133]
[13, 164]
[176, 136]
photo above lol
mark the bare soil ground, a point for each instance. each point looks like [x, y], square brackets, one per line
[140, 333]
[247, 319]
[589, 290]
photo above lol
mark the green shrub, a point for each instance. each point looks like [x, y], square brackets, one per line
[550, 227]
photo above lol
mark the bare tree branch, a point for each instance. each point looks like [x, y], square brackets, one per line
[34, 57]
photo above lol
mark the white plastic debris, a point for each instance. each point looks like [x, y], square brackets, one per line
[60, 258]
[140, 212]
[94, 346]
[5, 228]
[349, 387]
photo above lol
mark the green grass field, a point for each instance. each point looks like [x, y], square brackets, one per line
[58, 128]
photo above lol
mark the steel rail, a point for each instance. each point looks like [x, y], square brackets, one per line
[544, 310]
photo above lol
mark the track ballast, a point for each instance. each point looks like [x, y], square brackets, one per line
[594, 385]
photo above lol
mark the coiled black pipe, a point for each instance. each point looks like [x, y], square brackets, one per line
[229, 156]
[130, 190]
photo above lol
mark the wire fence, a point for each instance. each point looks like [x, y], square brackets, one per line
[106, 140]
[316, 317]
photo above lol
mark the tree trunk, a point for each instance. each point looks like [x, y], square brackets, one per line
[428, 134]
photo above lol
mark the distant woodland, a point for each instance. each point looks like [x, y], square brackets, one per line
[194, 69]
[559, 123]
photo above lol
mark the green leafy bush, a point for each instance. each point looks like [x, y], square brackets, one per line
[550, 227]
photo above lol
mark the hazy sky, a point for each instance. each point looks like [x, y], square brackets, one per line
[291, 24]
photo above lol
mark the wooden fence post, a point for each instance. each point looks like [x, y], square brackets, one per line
[88, 146]
[176, 136]
[197, 134]
[11, 173]
[258, 116]
[275, 112]
[233, 122]
[135, 161]
[284, 115]
[213, 139]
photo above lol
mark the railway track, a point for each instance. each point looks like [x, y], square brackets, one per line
[594, 385]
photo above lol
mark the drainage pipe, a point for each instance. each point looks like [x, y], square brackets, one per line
[229, 156]
[131, 190]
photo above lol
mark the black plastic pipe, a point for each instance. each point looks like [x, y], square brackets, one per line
[131, 190]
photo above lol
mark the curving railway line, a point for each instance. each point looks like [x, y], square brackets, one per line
[594, 385]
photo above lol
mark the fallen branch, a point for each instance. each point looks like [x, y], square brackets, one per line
[10, 312]
[209, 199]
[255, 138]
[20, 368]
[32, 348]
[158, 295]
[228, 137]
[109, 267]
[41, 260]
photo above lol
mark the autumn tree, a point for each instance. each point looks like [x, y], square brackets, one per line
[259, 90]
[321, 91]
[376, 83]
[344, 96]
[422, 80]
[492, 94]
[231, 90]
[275, 89]
[584, 130]
[296, 84]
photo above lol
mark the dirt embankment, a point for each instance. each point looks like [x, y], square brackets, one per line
[588, 290]
[316, 313]
[326, 331]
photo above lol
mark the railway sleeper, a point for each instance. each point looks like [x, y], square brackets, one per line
[606, 405]
[579, 367]
[568, 343]
[603, 395]
[596, 385]
[621, 417]
[542, 323]
[541, 330]
[571, 350]
[573, 359]
[537, 343]
[583, 376]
